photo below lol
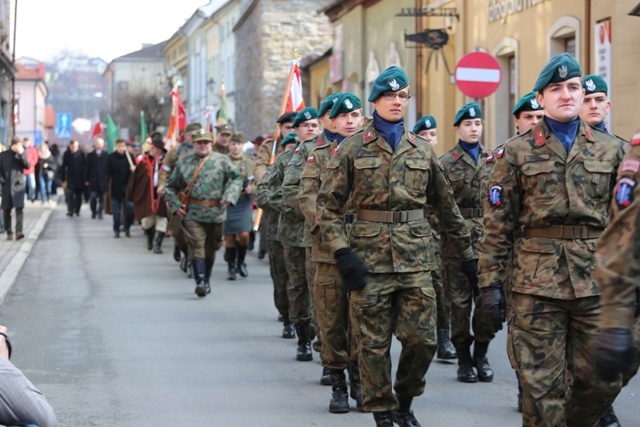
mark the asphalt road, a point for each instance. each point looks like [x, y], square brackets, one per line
[114, 336]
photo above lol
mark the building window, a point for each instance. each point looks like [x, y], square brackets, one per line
[570, 46]
[501, 126]
[562, 37]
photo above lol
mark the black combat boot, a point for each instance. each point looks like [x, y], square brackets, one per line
[303, 352]
[177, 254]
[485, 373]
[446, 350]
[208, 266]
[241, 266]
[157, 243]
[383, 419]
[355, 385]
[466, 374]
[150, 233]
[404, 415]
[198, 273]
[609, 419]
[230, 257]
[325, 378]
[520, 394]
[287, 330]
[339, 403]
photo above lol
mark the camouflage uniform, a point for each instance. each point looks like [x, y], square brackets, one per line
[548, 207]
[618, 259]
[396, 249]
[468, 181]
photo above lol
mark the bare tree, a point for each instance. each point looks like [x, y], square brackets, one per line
[130, 104]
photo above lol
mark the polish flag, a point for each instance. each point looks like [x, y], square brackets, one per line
[178, 118]
[295, 102]
[97, 127]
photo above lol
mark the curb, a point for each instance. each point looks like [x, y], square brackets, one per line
[10, 273]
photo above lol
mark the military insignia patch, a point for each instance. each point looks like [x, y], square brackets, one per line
[588, 133]
[635, 141]
[630, 166]
[500, 153]
[297, 150]
[307, 115]
[427, 123]
[624, 192]
[540, 139]
[310, 159]
[472, 112]
[534, 103]
[166, 168]
[440, 165]
[495, 196]
[455, 155]
[348, 104]
[411, 138]
[591, 86]
[393, 84]
[489, 159]
[563, 71]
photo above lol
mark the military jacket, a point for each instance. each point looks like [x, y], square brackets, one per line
[218, 180]
[245, 166]
[366, 169]
[170, 159]
[262, 200]
[469, 184]
[262, 158]
[535, 183]
[618, 251]
[286, 235]
[291, 185]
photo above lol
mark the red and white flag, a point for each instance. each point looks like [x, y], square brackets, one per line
[295, 102]
[178, 118]
[96, 127]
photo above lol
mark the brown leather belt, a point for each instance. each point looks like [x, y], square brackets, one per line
[575, 232]
[392, 217]
[205, 203]
[471, 212]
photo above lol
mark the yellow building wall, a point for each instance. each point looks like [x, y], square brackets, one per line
[319, 85]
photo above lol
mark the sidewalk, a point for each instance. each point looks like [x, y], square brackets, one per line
[13, 254]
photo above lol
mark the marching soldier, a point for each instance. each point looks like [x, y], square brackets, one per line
[547, 204]
[389, 175]
[223, 138]
[199, 190]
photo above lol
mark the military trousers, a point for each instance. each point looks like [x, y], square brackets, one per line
[400, 304]
[552, 341]
[203, 238]
[279, 276]
[331, 304]
[175, 228]
[310, 267]
[157, 221]
[635, 363]
[443, 313]
[463, 314]
[297, 289]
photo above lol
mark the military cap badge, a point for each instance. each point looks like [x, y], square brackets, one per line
[590, 85]
[307, 115]
[534, 103]
[427, 123]
[624, 192]
[472, 112]
[348, 104]
[563, 71]
[393, 84]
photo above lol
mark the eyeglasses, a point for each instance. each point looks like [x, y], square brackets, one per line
[391, 96]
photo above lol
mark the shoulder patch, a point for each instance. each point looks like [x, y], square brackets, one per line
[455, 155]
[440, 165]
[624, 192]
[495, 196]
[297, 150]
[310, 159]
[635, 141]
[500, 153]
[540, 138]
[490, 158]
[630, 166]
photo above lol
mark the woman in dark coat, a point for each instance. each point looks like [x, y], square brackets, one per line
[72, 172]
[12, 162]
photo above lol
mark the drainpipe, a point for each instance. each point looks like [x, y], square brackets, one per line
[419, 62]
[587, 36]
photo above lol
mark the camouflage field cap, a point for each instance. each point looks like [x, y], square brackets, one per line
[328, 103]
[559, 69]
[593, 83]
[345, 104]
[527, 103]
[308, 113]
[202, 135]
[390, 80]
[425, 123]
[467, 112]
[290, 138]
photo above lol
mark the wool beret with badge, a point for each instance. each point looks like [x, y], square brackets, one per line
[560, 68]
[425, 123]
[328, 103]
[290, 138]
[527, 103]
[306, 114]
[346, 103]
[468, 112]
[390, 80]
[287, 117]
[593, 83]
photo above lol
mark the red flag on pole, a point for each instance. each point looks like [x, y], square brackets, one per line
[97, 127]
[178, 118]
[295, 102]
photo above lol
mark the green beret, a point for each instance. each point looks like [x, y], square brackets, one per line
[202, 135]
[527, 103]
[290, 138]
[345, 104]
[327, 103]
[468, 111]
[425, 123]
[192, 127]
[390, 80]
[308, 113]
[593, 83]
[559, 69]
[287, 117]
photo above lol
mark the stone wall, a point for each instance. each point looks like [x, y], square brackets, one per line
[264, 45]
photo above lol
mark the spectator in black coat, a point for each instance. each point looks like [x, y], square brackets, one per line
[72, 176]
[118, 171]
[95, 178]
[12, 163]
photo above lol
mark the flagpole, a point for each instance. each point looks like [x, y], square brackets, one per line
[272, 157]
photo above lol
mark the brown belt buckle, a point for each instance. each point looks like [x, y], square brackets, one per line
[397, 217]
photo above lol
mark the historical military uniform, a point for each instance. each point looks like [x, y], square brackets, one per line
[217, 184]
[468, 178]
[548, 204]
[391, 239]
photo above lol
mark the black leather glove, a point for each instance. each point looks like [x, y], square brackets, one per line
[493, 306]
[351, 270]
[470, 269]
[613, 351]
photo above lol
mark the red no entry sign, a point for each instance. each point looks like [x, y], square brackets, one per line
[478, 74]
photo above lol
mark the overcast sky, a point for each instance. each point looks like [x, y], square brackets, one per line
[105, 29]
